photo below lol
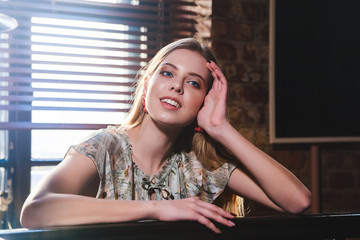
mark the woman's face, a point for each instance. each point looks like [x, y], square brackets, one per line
[176, 90]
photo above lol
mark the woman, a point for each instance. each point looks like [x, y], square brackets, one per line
[157, 155]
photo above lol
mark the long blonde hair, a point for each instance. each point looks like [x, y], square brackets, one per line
[211, 154]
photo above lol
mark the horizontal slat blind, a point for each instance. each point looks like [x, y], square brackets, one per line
[69, 59]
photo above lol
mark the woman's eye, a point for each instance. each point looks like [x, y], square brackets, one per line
[195, 84]
[166, 74]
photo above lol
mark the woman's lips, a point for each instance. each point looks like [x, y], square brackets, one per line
[170, 103]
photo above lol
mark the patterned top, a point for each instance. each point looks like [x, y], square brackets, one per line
[181, 176]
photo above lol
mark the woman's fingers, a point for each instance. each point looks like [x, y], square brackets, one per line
[219, 77]
[216, 217]
[205, 221]
[196, 210]
[204, 212]
[213, 212]
[213, 113]
[214, 208]
[214, 75]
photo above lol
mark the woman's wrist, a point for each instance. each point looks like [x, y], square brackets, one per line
[153, 210]
[221, 132]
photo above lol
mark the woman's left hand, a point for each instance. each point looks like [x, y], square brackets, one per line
[213, 113]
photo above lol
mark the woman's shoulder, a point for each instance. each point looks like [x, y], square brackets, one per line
[192, 162]
[111, 138]
[110, 133]
[116, 131]
[204, 182]
[115, 137]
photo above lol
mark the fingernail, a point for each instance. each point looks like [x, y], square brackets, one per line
[235, 215]
[231, 223]
[218, 230]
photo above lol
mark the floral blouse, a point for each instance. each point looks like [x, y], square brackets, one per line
[181, 176]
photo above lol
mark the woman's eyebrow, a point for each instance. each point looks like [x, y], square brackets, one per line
[191, 73]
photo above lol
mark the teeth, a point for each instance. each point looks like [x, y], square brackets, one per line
[171, 102]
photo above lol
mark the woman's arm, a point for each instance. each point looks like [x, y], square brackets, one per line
[265, 179]
[57, 201]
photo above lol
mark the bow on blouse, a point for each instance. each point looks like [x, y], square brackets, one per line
[157, 187]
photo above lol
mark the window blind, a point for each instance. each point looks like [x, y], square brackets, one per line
[71, 64]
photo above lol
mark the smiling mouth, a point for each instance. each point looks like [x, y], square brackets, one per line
[170, 102]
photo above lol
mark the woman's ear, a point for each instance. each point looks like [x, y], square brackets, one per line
[146, 84]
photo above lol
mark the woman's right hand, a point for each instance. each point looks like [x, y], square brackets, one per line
[193, 209]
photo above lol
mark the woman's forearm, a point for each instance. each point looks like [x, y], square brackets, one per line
[55, 209]
[65, 209]
[279, 184]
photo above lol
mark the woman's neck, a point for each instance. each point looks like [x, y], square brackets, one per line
[151, 145]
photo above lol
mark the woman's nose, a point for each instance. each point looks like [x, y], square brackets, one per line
[177, 86]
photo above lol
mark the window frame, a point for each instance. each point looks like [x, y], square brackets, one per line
[175, 19]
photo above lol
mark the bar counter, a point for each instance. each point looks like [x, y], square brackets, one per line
[316, 226]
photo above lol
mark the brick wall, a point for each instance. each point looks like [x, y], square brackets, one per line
[240, 37]
[341, 177]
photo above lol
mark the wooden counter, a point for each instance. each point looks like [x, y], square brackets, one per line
[319, 226]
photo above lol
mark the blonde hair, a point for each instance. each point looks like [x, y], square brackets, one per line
[209, 152]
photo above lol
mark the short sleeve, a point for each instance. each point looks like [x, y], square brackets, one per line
[215, 181]
[96, 148]
[110, 151]
[204, 183]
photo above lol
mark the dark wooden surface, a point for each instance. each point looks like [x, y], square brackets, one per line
[322, 226]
